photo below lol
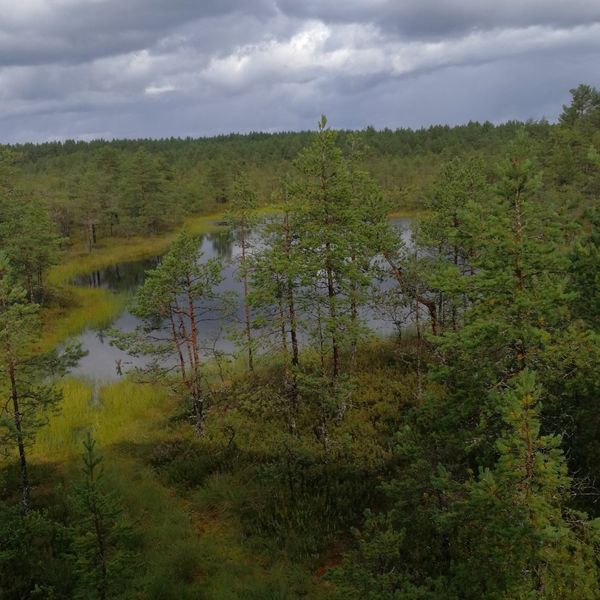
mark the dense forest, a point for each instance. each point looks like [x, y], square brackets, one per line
[452, 454]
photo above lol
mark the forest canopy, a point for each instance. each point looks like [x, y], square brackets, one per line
[451, 454]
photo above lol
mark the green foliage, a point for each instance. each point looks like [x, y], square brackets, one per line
[434, 451]
[512, 534]
[103, 561]
[585, 273]
[34, 556]
[29, 241]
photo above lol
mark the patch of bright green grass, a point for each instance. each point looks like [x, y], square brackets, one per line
[120, 412]
[79, 308]
[79, 261]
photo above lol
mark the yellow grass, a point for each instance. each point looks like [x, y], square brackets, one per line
[118, 412]
[80, 307]
[79, 261]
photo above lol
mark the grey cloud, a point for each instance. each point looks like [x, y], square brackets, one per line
[81, 30]
[439, 18]
[138, 68]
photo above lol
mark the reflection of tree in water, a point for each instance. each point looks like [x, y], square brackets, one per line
[222, 243]
[119, 277]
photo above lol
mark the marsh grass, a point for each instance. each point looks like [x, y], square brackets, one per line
[121, 412]
[79, 309]
[76, 308]
[78, 261]
[191, 546]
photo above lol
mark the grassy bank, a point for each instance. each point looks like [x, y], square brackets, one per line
[78, 261]
[76, 308]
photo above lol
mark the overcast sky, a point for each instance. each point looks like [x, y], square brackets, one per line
[86, 69]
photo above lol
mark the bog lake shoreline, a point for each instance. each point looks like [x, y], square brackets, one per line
[100, 285]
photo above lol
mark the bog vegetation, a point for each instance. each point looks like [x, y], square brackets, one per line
[454, 457]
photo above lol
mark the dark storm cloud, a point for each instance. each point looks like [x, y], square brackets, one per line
[136, 68]
[438, 18]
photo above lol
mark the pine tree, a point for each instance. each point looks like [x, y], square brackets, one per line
[323, 197]
[26, 376]
[276, 276]
[585, 273]
[446, 237]
[517, 300]
[241, 216]
[175, 299]
[108, 174]
[146, 200]
[513, 535]
[34, 555]
[333, 225]
[29, 241]
[102, 535]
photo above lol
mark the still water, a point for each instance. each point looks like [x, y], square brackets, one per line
[105, 362]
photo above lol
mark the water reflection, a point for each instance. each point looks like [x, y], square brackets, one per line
[106, 362]
[118, 278]
[221, 244]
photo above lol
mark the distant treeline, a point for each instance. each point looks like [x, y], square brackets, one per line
[96, 190]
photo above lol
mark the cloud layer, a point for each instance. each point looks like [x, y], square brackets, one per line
[151, 68]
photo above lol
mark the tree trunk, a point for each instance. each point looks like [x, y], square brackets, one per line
[291, 374]
[520, 350]
[198, 401]
[282, 331]
[290, 296]
[177, 346]
[198, 410]
[333, 318]
[320, 331]
[103, 585]
[246, 306]
[354, 317]
[518, 228]
[293, 324]
[419, 298]
[17, 417]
